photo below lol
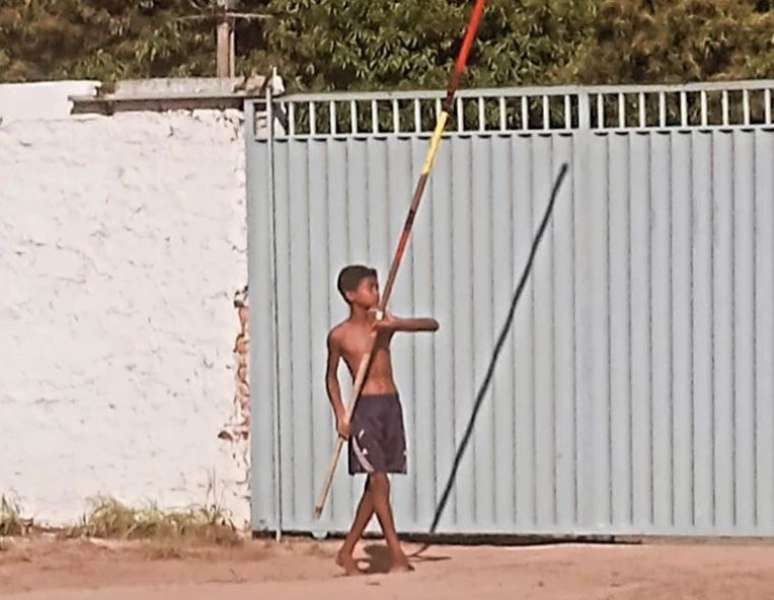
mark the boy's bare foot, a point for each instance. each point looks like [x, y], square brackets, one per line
[347, 562]
[400, 564]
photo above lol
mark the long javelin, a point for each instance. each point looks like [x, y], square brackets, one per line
[435, 142]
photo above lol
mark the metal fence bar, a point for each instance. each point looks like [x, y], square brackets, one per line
[524, 113]
[622, 111]
[536, 91]
[746, 106]
[600, 111]
[673, 104]
[725, 107]
[662, 110]
[546, 113]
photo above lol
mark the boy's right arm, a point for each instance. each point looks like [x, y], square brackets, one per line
[332, 386]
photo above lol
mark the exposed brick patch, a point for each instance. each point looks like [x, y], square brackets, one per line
[238, 430]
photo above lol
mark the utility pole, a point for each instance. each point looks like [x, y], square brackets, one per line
[226, 58]
[225, 17]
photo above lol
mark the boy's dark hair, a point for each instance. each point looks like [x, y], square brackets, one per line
[350, 278]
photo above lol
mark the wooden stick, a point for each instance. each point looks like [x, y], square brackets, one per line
[435, 142]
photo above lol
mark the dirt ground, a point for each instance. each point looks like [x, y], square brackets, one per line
[90, 570]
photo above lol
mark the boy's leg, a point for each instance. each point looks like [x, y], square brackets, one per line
[379, 486]
[365, 511]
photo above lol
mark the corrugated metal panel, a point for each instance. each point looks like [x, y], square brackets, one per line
[634, 394]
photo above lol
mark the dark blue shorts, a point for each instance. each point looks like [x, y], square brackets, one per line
[378, 440]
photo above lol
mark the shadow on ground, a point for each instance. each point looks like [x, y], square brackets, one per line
[378, 559]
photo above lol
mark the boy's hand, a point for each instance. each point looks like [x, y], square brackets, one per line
[343, 428]
[387, 323]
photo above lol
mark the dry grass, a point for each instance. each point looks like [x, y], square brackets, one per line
[108, 518]
[11, 521]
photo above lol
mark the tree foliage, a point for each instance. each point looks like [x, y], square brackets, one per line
[399, 43]
[102, 39]
[638, 41]
[356, 44]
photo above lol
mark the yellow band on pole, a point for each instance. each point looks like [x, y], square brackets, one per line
[435, 142]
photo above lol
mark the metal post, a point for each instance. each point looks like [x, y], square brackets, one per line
[275, 309]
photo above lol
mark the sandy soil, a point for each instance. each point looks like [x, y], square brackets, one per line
[83, 570]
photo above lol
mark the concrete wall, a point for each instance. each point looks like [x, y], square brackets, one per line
[41, 100]
[122, 246]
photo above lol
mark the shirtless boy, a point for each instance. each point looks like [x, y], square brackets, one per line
[377, 441]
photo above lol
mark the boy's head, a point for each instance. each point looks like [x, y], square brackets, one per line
[359, 286]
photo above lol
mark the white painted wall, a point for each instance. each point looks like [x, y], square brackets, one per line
[41, 100]
[122, 243]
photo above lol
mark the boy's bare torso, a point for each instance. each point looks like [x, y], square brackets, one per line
[354, 341]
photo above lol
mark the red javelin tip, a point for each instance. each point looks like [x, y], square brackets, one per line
[467, 44]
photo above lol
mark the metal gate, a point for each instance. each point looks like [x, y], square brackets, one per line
[634, 395]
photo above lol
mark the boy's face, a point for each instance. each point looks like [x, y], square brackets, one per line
[367, 293]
